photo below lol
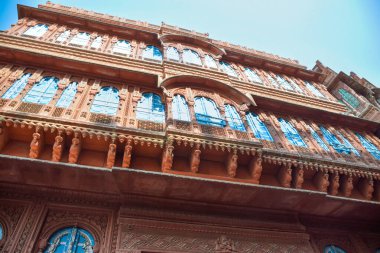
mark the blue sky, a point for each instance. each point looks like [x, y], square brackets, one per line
[343, 34]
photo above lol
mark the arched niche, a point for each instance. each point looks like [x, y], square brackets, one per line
[205, 45]
[196, 82]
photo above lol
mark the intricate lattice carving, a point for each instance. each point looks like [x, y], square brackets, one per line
[29, 108]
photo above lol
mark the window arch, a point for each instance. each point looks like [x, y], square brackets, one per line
[172, 53]
[252, 75]
[258, 127]
[97, 42]
[233, 118]
[37, 30]
[207, 113]
[316, 137]
[17, 87]
[226, 67]
[106, 101]
[210, 62]
[349, 98]
[80, 39]
[67, 95]
[369, 146]
[122, 47]
[334, 142]
[153, 53]
[313, 89]
[150, 108]
[180, 108]
[333, 249]
[63, 36]
[291, 133]
[71, 239]
[190, 56]
[43, 91]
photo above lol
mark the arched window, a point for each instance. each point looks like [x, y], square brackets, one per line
[63, 36]
[233, 118]
[96, 43]
[172, 54]
[349, 98]
[210, 62]
[226, 67]
[37, 30]
[334, 142]
[150, 108]
[318, 139]
[252, 75]
[348, 144]
[333, 249]
[106, 101]
[190, 56]
[43, 91]
[369, 146]
[17, 87]
[67, 95]
[180, 108]
[313, 89]
[207, 113]
[291, 133]
[283, 82]
[81, 39]
[122, 47]
[258, 127]
[71, 239]
[153, 53]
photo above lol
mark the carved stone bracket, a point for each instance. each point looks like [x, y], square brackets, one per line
[321, 181]
[167, 156]
[285, 175]
[75, 148]
[255, 167]
[232, 163]
[195, 159]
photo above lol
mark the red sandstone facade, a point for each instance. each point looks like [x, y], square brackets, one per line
[143, 186]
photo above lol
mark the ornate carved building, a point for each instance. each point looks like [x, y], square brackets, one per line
[123, 136]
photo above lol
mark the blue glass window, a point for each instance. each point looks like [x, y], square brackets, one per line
[37, 30]
[349, 98]
[122, 47]
[97, 42]
[210, 62]
[190, 56]
[295, 86]
[63, 36]
[334, 142]
[172, 53]
[226, 67]
[150, 108]
[291, 133]
[153, 53]
[283, 82]
[369, 146]
[17, 87]
[252, 75]
[106, 101]
[271, 80]
[80, 39]
[348, 144]
[207, 113]
[233, 118]
[258, 127]
[67, 95]
[319, 139]
[333, 249]
[313, 89]
[43, 91]
[71, 239]
[180, 109]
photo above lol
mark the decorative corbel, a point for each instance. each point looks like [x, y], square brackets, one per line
[232, 163]
[127, 153]
[36, 144]
[58, 147]
[195, 158]
[255, 167]
[167, 156]
[366, 188]
[321, 181]
[75, 148]
[298, 178]
[334, 184]
[111, 155]
[347, 185]
[285, 175]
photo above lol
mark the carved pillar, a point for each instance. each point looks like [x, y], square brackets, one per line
[167, 156]
[105, 43]
[58, 147]
[297, 177]
[37, 144]
[366, 188]
[75, 148]
[50, 33]
[285, 175]
[347, 185]
[256, 167]
[111, 155]
[334, 184]
[195, 158]
[127, 153]
[232, 163]
[321, 181]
